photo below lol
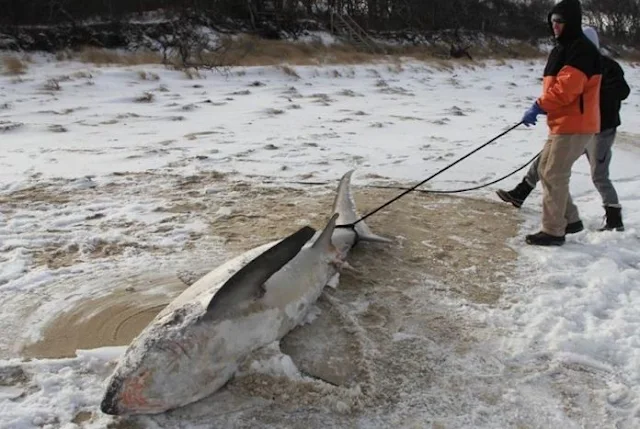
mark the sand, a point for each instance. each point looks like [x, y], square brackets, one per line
[384, 334]
[456, 241]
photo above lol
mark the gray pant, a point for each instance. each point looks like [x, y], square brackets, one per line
[599, 156]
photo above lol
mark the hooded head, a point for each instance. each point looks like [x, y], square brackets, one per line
[570, 13]
[592, 35]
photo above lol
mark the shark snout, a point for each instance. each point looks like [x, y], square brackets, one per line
[109, 404]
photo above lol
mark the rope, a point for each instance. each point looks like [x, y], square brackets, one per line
[457, 191]
[413, 188]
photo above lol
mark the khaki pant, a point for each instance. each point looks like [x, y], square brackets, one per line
[557, 157]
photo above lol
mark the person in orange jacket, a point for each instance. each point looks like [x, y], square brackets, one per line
[571, 100]
[614, 89]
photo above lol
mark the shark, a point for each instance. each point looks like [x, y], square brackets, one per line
[195, 345]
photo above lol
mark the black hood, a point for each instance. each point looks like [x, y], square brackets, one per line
[571, 11]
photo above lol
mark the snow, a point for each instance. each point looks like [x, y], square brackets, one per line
[576, 306]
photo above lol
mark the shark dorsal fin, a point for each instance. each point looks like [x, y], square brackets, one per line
[324, 240]
[247, 282]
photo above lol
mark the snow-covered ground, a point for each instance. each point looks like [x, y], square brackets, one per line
[104, 173]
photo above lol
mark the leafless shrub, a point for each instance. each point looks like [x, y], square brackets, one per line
[56, 128]
[82, 75]
[273, 111]
[144, 75]
[147, 97]
[52, 85]
[8, 125]
[395, 68]
[289, 71]
[64, 55]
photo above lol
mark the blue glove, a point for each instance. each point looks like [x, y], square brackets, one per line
[531, 115]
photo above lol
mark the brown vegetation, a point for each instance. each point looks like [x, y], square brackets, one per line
[105, 56]
[13, 65]
[253, 51]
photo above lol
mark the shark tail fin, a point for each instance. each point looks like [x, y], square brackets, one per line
[345, 206]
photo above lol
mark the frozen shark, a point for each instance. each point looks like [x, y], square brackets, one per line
[195, 344]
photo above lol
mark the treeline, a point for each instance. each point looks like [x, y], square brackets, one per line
[523, 19]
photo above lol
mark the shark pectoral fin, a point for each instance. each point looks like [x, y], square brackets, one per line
[329, 348]
[249, 281]
[344, 265]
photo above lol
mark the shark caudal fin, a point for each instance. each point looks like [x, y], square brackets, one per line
[345, 206]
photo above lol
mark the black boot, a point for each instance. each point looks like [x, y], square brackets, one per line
[517, 195]
[544, 239]
[613, 217]
[573, 228]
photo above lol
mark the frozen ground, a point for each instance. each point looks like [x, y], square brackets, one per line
[118, 182]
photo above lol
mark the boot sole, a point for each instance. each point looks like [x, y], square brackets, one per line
[546, 243]
[504, 196]
[619, 229]
[574, 230]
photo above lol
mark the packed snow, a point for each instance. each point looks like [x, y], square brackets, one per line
[94, 159]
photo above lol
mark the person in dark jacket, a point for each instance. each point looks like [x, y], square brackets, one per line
[613, 90]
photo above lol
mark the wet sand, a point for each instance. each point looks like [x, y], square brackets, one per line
[458, 241]
[111, 320]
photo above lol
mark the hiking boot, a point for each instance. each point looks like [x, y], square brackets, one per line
[517, 195]
[543, 239]
[613, 219]
[574, 227]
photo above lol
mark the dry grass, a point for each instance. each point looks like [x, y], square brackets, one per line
[252, 51]
[631, 56]
[192, 73]
[13, 65]
[104, 56]
[517, 50]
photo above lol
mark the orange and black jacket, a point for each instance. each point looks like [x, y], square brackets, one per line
[572, 77]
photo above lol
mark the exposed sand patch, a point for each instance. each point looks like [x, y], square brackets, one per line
[458, 240]
[383, 333]
[459, 243]
[112, 320]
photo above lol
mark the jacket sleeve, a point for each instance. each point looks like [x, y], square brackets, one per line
[617, 83]
[567, 87]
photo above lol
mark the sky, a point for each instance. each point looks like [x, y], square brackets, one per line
[90, 155]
